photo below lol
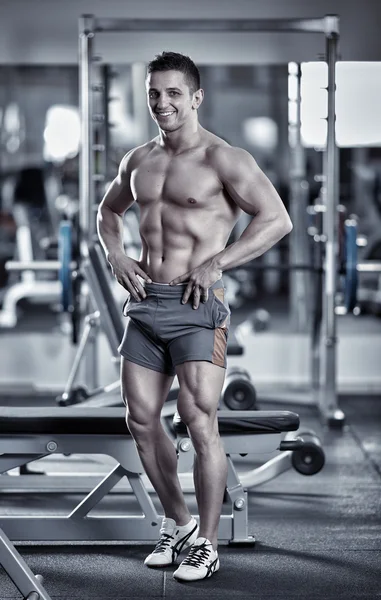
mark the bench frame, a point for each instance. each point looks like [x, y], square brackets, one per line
[19, 572]
[18, 449]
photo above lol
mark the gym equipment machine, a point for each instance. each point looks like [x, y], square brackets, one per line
[90, 26]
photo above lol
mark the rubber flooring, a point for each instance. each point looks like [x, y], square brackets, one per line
[317, 538]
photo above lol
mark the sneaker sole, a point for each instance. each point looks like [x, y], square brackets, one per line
[199, 578]
[159, 566]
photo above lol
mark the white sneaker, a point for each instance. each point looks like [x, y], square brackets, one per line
[201, 562]
[173, 540]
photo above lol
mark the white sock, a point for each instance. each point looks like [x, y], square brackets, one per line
[187, 526]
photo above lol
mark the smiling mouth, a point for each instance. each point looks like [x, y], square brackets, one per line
[165, 114]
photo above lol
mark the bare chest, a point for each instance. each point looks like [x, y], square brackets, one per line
[178, 184]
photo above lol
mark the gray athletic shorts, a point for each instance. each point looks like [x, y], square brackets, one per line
[161, 332]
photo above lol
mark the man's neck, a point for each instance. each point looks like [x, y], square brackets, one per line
[183, 139]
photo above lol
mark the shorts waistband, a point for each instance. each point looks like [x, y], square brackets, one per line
[164, 289]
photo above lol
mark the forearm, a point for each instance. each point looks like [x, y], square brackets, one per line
[110, 231]
[257, 238]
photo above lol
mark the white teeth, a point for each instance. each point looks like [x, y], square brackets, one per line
[166, 114]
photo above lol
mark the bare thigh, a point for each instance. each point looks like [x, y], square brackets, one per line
[201, 384]
[144, 391]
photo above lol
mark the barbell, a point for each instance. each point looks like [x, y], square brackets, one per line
[348, 267]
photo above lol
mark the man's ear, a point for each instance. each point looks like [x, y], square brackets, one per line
[197, 99]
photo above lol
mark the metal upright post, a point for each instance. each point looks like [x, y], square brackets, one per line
[86, 204]
[328, 394]
[298, 204]
[86, 214]
[106, 73]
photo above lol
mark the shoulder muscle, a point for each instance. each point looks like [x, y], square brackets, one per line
[233, 163]
[118, 197]
[132, 159]
[246, 183]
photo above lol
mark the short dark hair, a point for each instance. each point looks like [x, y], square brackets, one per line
[173, 61]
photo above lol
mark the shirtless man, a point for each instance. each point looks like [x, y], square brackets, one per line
[191, 187]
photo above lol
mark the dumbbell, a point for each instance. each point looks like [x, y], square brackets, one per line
[238, 392]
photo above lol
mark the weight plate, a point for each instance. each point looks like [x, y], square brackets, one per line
[350, 279]
[75, 310]
[240, 394]
[64, 257]
[341, 238]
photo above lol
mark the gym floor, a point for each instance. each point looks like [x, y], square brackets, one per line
[316, 537]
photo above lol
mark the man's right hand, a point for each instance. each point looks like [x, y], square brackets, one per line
[127, 272]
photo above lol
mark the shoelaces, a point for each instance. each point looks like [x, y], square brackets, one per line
[197, 555]
[164, 541]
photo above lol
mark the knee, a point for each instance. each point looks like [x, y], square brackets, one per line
[202, 428]
[143, 428]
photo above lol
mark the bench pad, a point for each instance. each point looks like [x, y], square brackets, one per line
[249, 422]
[111, 421]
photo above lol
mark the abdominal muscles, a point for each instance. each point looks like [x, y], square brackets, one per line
[176, 240]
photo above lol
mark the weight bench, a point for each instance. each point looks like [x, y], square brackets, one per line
[39, 432]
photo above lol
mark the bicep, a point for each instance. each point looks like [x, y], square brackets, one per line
[249, 187]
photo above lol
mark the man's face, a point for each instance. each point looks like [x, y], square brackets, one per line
[169, 99]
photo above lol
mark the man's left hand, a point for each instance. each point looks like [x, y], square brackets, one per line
[199, 281]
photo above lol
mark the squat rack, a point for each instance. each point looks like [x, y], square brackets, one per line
[328, 25]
